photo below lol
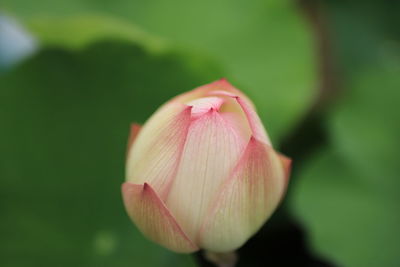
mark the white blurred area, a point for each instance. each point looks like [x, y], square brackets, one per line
[15, 42]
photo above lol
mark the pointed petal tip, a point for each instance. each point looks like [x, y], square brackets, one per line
[221, 84]
[212, 110]
[188, 108]
[287, 166]
[287, 162]
[134, 131]
[224, 82]
[154, 219]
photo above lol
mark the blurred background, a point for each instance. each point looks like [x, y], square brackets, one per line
[324, 75]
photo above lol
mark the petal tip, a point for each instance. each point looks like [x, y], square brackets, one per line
[146, 187]
[134, 131]
[188, 108]
[224, 81]
[154, 219]
[287, 165]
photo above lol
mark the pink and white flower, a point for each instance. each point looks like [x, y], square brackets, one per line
[202, 173]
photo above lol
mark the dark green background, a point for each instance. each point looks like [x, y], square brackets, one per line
[324, 75]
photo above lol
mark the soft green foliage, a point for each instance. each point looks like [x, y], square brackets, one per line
[264, 46]
[351, 222]
[65, 116]
[78, 31]
[66, 112]
[65, 119]
[347, 195]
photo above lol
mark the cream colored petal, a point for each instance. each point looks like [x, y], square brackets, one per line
[245, 201]
[204, 104]
[154, 156]
[153, 218]
[211, 151]
[249, 110]
[239, 123]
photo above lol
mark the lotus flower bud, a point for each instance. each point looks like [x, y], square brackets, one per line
[201, 173]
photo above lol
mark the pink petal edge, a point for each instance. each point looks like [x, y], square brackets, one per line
[135, 129]
[287, 167]
[154, 219]
[255, 123]
[159, 174]
[201, 91]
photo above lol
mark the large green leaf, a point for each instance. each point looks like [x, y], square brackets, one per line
[65, 117]
[265, 46]
[79, 31]
[348, 196]
[351, 222]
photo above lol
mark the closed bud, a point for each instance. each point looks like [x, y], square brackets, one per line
[201, 173]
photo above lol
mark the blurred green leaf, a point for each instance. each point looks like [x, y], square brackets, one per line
[265, 46]
[348, 195]
[351, 223]
[365, 126]
[79, 31]
[65, 117]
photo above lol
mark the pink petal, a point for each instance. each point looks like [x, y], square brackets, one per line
[155, 155]
[254, 120]
[245, 200]
[135, 129]
[287, 166]
[204, 104]
[153, 218]
[211, 151]
[237, 121]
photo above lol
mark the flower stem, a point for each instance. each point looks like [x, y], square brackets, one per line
[227, 259]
